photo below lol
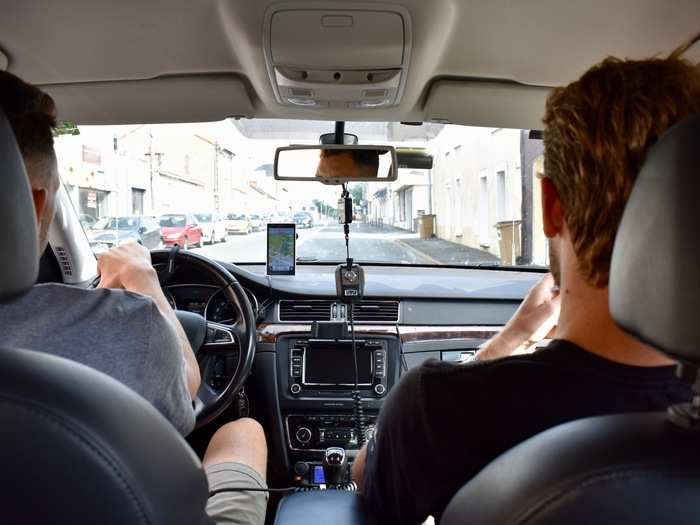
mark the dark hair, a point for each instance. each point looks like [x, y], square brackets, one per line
[598, 131]
[31, 113]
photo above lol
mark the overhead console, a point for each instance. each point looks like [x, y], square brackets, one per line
[347, 55]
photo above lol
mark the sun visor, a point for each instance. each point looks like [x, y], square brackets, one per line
[202, 98]
[487, 104]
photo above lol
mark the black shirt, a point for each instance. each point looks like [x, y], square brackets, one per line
[443, 422]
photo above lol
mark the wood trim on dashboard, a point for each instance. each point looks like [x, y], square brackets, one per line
[269, 332]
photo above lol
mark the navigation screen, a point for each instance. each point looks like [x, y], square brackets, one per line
[281, 239]
[332, 364]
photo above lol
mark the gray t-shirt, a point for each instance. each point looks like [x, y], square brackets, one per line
[116, 332]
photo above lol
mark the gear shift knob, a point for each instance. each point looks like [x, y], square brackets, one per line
[335, 466]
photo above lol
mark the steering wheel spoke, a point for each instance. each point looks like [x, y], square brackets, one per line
[222, 338]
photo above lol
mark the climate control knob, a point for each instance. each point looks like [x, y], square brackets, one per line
[303, 435]
[379, 389]
[295, 388]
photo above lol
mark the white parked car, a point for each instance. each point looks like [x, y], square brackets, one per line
[256, 222]
[213, 227]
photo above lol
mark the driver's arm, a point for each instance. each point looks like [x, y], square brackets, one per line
[128, 266]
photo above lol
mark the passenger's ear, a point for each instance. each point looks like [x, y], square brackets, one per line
[552, 212]
[40, 197]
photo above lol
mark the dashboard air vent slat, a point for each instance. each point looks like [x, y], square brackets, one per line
[376, 312]
[64, 260]
[305, 311]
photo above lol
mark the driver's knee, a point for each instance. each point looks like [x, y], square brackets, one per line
[241, 441]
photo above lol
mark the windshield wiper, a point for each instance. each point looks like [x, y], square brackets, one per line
[306, 259]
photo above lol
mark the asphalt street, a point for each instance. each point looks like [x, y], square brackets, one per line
[324, 244]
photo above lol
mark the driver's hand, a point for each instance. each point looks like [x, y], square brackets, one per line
[127, 266]
[534, 320]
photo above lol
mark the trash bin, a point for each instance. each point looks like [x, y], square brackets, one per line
[426, 226]
[509, 241]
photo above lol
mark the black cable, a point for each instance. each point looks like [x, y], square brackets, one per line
[259, 489]
[356, 395]
[348, 487]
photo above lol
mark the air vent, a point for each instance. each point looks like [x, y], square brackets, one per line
[376, 312]
[64, 261]
[305, 311]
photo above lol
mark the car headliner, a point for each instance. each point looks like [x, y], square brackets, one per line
[478, 62]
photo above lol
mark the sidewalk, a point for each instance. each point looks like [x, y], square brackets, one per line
[447, 252]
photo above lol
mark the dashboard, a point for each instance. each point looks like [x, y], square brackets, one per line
[206, 300]
[300, 387]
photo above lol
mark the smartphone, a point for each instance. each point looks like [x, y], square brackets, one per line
[281, 249]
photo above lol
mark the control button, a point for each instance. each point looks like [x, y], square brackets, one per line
[301, 468]
[295, 388]
[303, 435]
[379, 389]
[217, 335]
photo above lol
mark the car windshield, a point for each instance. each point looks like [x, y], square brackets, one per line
[173, 221]
[464, 195]
[117, 223]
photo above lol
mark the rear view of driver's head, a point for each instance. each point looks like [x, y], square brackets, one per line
[598, 131]
[32, 116]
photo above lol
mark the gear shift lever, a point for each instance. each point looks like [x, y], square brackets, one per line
[335, 466]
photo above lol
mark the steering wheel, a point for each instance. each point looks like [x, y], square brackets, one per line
[210, 340]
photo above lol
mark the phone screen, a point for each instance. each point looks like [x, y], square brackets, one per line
[281, 240]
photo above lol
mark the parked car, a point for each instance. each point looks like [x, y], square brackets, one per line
[237, 223]
[112, 231]
[213, 227]
[256, 222]
[87, 221]
[303, 219]
[181, 229]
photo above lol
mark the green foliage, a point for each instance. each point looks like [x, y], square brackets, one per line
[64, 127]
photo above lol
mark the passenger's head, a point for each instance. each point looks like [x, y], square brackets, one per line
[598, 131]
[32, 116]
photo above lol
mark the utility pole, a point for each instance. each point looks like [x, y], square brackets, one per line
[216, 177]
[150, 169]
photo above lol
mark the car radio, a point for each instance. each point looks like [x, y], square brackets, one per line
[313, 432]
[318, 367]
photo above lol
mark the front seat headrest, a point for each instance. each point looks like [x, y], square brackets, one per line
[19, 265]
[655, 269]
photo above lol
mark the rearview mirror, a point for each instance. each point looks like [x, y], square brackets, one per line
[336, 164]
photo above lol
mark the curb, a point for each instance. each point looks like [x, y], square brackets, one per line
[410, 248]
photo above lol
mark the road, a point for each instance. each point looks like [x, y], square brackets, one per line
[324, 243]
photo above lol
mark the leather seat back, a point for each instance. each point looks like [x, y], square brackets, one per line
[77, 446]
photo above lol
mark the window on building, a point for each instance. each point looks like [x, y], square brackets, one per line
[93, 202]
[137, 195]
[483, 208]
[501, 195]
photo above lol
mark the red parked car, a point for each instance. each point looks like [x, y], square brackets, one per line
[181, 229]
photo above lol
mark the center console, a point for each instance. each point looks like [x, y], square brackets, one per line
[316, 379]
